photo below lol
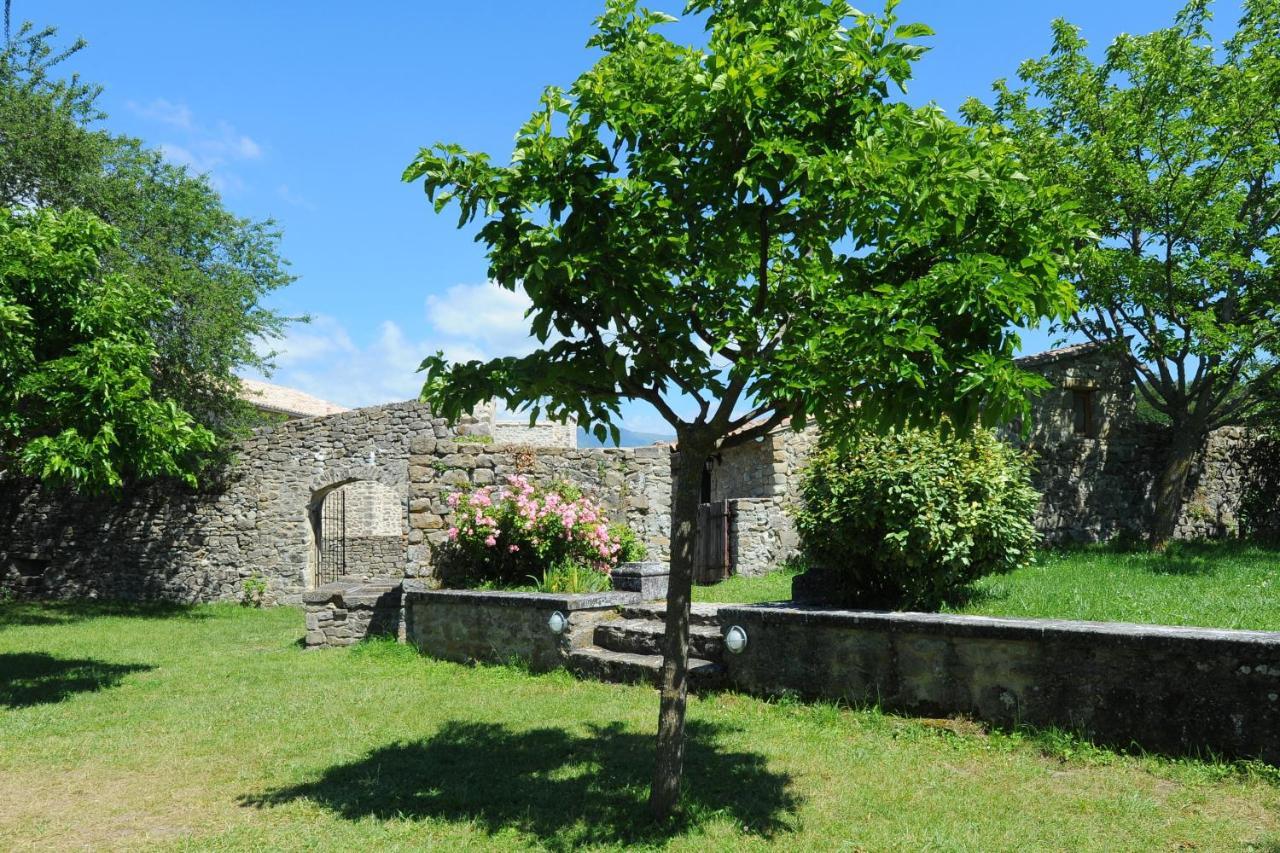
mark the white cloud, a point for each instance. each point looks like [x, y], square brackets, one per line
[164, 112]
[466, 322]
[486, 314]
[288, 196]
[204, 149]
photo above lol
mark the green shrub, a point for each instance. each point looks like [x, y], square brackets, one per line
[908, 519]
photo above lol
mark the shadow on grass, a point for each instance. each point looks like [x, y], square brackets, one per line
[34, 678]
[26, 613]
[568, 790]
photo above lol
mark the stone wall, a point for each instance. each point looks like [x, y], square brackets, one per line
[1170, 689]
[345, 612]
[371, 509]
[761, 536]
[538, 435]
[633, 484]
[745, 471]
[1093, 490]
[470, 626]
[167, 542]
[377, 556]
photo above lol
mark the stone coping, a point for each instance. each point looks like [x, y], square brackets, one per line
[994, 626]
[643, 569]
[538, 600]
[366, 592]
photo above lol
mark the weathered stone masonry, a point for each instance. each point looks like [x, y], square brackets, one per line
[165, 541]
[393, 465]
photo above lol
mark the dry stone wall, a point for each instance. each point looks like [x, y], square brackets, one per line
[167, 542]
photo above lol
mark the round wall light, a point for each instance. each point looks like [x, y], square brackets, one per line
[735, 639]
[558, 622]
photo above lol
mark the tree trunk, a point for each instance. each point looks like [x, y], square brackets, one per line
[665, 791]
[1173, 479]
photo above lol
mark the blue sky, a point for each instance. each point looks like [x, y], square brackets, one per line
[309, 112]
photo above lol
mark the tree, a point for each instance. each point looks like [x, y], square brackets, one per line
[211, 269]
[757, 230]
[1172, 146]
[77, 404]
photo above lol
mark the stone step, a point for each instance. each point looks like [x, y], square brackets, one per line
[627, 668]
[644, 637]
[699, 613]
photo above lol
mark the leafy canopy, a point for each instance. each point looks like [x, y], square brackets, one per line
[1172, 145]
[208, 269]
[77, 403]
[758, 226]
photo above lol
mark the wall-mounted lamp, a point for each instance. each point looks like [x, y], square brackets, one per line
[558, 622]
[735, 639]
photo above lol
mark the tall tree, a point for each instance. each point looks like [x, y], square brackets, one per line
[1172, 144]
[211, 268]
[77, 403]
[756, 230]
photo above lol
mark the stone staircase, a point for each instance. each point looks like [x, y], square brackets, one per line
[628, 648]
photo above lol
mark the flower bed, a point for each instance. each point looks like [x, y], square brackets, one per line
[520, 534]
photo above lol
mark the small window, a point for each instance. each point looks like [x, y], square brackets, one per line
[1083, 415]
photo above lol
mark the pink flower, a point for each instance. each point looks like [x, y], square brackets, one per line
[490, 541]
[453, 534]
[511, 549]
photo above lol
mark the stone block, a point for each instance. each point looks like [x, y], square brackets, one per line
[648, 579]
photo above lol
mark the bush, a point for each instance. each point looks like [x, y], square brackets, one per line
[908, 519]
[518, 533]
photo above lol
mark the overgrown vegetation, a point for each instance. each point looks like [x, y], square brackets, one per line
[144, 726]
[908, 519]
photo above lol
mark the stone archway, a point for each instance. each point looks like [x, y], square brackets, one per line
[358, 526]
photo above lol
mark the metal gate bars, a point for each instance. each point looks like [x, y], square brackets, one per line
[331, 538]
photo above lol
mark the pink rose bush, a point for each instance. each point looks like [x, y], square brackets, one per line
[517, 532]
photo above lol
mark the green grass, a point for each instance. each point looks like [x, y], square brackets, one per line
[775, 586]
[210, 728]
[1215, 585]
[1228, 585]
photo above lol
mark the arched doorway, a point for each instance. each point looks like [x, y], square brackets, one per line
[359, 531]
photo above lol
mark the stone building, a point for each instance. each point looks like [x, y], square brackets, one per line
[1095, 462]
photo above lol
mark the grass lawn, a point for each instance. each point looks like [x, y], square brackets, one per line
[1227, 585]
[1217, 585]
[210, 728]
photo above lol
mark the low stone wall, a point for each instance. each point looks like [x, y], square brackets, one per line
[469, 626]
[343, 613]
[1163, 688]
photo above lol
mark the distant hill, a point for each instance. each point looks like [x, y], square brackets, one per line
[627, 438]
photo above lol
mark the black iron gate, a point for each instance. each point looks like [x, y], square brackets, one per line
[711, 558]
[331, 538]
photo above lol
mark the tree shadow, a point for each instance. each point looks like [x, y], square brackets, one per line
[35, 678]
[35, 613]
[568, 790]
